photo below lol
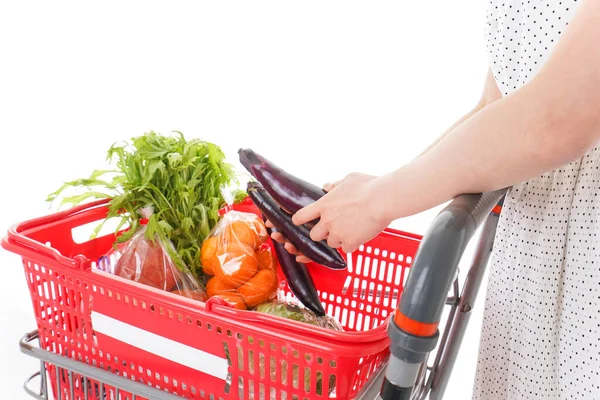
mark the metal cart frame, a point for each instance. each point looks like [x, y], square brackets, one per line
[406, 374]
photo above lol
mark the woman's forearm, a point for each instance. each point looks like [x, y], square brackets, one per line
[490, 94]
[456, 124]
[503, 144]
[512, 140]
[545, 124]
[488, 151]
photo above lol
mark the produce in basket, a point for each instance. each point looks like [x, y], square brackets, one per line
[294, 312]
[184, 181]
[291, 192]
[298, 279]
[299, 236]
[233, 299]
[197, 294]
[145, 259]
[288, 310]
[238, 258]
[295, 378]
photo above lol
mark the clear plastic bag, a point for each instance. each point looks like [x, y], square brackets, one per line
[150, 262]
[238, 260]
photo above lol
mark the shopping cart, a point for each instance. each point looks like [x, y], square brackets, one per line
[390, 300]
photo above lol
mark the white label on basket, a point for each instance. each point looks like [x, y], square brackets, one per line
[161, 346]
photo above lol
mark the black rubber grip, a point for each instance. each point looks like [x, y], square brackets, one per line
[389, 391]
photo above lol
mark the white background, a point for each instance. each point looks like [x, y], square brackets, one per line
[320, 88]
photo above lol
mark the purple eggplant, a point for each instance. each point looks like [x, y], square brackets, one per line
[290, 192]
[298, 278]
[299, 236]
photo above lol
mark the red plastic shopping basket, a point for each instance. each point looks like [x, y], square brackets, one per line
[205, 350]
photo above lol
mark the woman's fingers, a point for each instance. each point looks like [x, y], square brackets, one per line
[319, 232]
[333, 241]
[291, 248]
[314, 210]
[278, 237]
[307, 214]
[328, 187]
[303, 259]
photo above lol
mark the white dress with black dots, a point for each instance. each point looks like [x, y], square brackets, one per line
[541, 329]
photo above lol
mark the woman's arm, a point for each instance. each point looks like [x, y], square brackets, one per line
[490, 94]
[548, 122]
[545, 124]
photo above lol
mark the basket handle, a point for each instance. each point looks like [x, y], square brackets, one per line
[17, 242]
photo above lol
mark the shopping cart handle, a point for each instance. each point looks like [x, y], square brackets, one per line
[436, 262]
[413, 329]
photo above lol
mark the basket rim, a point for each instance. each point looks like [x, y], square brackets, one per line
[16, 241]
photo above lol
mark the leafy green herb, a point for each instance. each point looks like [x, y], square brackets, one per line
[183, 182]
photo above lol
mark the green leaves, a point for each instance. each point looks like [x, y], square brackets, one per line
[181, 180]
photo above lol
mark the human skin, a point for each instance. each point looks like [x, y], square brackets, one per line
[550, 121]
[490, 94]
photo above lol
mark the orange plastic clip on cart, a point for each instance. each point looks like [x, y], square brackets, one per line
[102, 337]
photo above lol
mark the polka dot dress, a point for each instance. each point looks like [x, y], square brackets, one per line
[541, 329]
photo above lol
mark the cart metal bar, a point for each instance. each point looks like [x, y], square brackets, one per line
[414, 329]
[473, 281]
[443, 342]
[42, 394]
[64, 363]
[370, 391]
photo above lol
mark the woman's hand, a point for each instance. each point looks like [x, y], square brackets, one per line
[348, 213]
[348, 216]
[278, 237]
